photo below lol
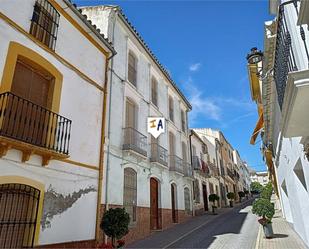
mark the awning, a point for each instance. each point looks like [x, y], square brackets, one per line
[259, 126]
[268, 155]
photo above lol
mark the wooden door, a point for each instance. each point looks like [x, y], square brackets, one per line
[154, 204]
[26, 120]
[205, 197]
[173, 198]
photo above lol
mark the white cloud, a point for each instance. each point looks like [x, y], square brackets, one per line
[195, 67]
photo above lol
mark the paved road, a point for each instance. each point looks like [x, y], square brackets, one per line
[236, 228]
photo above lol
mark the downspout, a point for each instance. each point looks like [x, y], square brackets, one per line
[109, 114]
[190, 145]
[101, 162]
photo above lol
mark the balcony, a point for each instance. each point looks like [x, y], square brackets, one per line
[214, 171]
[176, 164]
[158, 154]
[187, 168]
[230, 173]
[32, 129]
[291, 72]
[205, 169]
[196, 163]
[135, 141]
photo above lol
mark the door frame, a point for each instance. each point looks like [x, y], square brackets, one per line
[174, 203]
[158, 219]
[205, 197]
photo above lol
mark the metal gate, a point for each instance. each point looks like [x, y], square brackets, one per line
[18, 215]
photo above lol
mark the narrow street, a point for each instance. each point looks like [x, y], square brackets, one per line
[235, 228]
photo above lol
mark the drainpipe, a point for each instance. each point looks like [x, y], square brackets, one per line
[101, 162]
[109, 113]
[190, 146]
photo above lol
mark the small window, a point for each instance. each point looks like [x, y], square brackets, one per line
[187, 200]
[154, 92]
[183, 121]
[196, 192]
[132, 68]
[44, 23]
[171, 108]
[129, 193]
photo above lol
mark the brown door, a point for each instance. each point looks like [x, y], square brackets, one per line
[173, 197]
[27, 120]
[205, 197]
[154, 204]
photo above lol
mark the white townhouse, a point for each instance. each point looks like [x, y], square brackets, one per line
[217, 139]
[284, 77]
[206, 172]
[245, 176]
[53, 66]
[151, 178]
[237, 166]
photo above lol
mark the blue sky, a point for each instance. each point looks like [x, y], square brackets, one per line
[203, 44]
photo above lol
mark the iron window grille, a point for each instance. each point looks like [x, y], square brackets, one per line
[18, 215]
[45, 23]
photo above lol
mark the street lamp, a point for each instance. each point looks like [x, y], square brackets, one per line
[255, 56]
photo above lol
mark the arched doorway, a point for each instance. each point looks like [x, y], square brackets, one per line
[155, 217]
[174, 202]
[19, 205]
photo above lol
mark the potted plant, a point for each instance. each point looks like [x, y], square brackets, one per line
[213, 198]
[256, 188]
[266, 210]
[231, 197]
[241, 194]
[267, 191]
[246, 193]
[115, 224]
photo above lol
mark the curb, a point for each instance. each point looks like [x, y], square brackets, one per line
[257, 243]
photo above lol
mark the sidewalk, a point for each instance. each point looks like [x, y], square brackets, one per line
[284, 235]
[165, 238]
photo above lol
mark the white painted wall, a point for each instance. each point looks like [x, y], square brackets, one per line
[124, 41]
[289, 151]
[82, 103]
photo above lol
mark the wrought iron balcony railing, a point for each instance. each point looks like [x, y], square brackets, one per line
[214, 171]
[286, 53]
[196, 163]
[158, 154]
[135, 141]
[22, 120]
[230, 173]
[176, 164]
[188, 171]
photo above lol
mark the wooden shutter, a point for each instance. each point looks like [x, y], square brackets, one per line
[31, 84]
[184, 152]
[171, 108]
[154, 92]
[193, 150]
[132, 72]
[130, 114]
[172, 144]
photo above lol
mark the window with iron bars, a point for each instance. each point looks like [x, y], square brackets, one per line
[45, 23]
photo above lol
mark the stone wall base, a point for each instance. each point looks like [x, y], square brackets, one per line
[141, 228]
[73, 244]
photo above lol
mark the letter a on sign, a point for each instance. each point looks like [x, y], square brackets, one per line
[156, 126]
